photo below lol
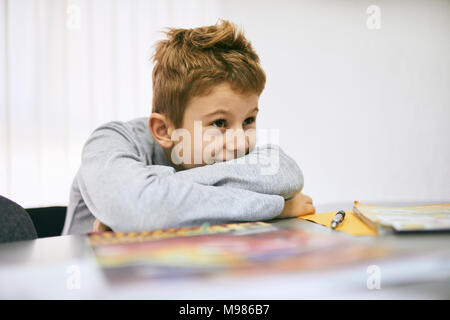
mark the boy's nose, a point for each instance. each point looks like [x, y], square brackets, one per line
[237, 143]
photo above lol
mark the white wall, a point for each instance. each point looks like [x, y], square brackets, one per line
[365, 112]
[66, 67]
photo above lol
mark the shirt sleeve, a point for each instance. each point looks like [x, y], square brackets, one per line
[127, 195]
[267, 169]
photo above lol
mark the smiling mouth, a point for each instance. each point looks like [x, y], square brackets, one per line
[231, 156]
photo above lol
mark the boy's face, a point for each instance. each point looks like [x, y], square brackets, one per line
[221, 126]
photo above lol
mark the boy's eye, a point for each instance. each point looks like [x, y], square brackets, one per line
[249, 121]
[218, 123]
[222, 122]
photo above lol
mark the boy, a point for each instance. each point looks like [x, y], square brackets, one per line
[135, 177]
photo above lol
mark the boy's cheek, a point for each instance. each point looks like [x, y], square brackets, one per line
[251, 141]
[211, 151]
[198, 158]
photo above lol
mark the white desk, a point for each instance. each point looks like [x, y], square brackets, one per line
[42, 268]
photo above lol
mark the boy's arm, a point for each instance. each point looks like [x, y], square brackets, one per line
[126, 195]
[267, 169]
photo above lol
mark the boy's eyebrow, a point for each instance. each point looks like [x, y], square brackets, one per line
[216, 112]
[256, 109]
[226, 112]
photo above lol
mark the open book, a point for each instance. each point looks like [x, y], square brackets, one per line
[414, 218]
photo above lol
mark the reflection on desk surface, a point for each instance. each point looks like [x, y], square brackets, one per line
[238, 249]
[391, 266]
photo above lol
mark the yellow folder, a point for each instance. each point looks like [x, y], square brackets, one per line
[352, 224]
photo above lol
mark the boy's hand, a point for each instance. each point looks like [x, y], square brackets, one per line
[98, 226]
[300, 205]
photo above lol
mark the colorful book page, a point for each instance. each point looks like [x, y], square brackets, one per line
[236, 249]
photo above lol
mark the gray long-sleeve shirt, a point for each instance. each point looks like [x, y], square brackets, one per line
[126, 181]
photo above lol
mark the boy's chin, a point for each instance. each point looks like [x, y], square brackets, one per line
[209, 162]
[192, 166]
[197, 165]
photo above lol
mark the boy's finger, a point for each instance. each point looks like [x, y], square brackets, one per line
[310, 208]
[96, 226]
[100, 227]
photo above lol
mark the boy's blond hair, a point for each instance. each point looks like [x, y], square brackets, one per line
[190, 62]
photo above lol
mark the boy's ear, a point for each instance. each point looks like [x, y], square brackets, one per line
[161, 129]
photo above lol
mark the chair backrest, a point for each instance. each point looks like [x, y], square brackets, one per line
[48, 221]
[15, 222]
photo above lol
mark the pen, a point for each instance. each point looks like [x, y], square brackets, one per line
[338, 218]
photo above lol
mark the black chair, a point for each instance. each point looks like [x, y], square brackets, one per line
[15, 222]
[49, 221]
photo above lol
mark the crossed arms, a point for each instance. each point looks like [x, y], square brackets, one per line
[127, 195]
